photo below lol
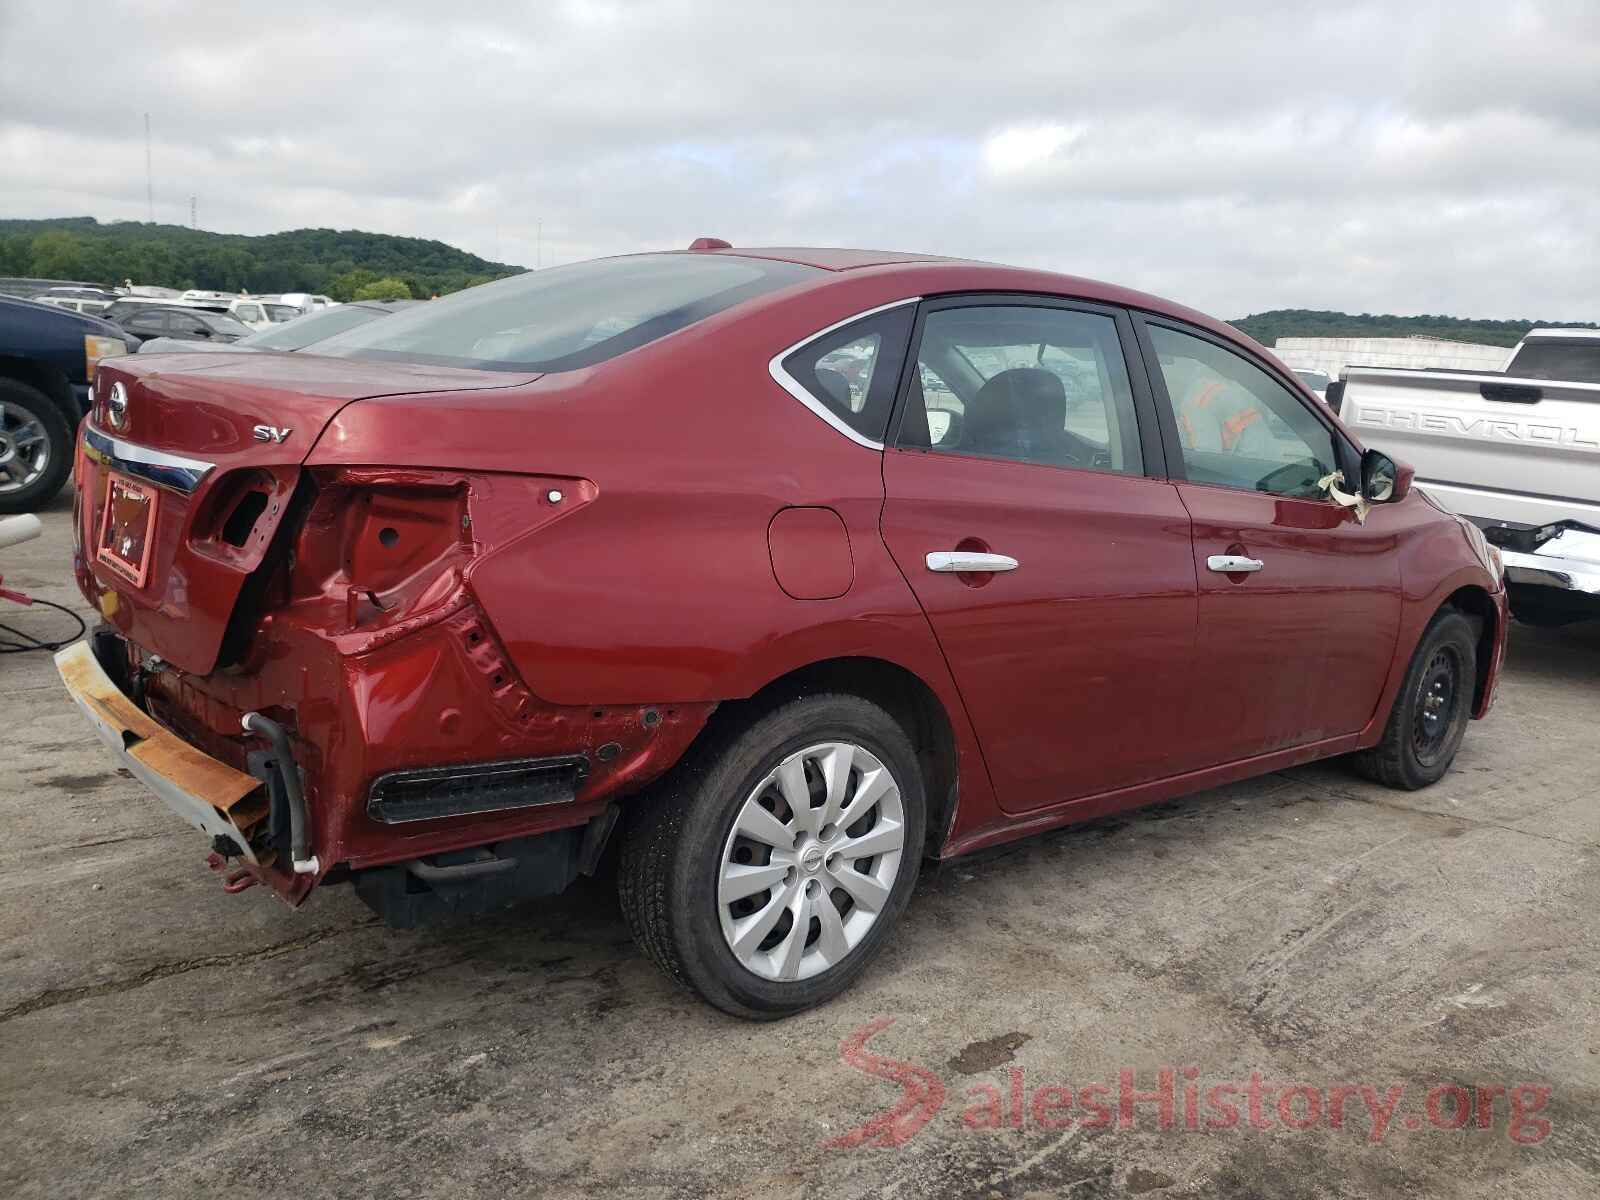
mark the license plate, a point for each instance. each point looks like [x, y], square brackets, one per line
[127, 528]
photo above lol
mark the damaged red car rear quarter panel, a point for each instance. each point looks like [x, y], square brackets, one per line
[660, 591]
[208, 410]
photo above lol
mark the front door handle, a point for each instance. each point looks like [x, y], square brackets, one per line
[1233, 564]
[966, 562]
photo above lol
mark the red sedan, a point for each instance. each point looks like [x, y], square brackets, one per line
[787, 569]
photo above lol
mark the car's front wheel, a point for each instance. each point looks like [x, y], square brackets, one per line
[1431, 712]
[770, 870]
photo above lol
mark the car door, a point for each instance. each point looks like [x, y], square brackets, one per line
[1025, 505]
[1299, 601]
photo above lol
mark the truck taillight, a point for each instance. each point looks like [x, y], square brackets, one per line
[96, 348]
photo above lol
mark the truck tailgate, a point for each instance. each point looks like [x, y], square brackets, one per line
[1525, 451]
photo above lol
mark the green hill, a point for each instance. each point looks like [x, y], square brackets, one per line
[1268, 327]
[329, 261]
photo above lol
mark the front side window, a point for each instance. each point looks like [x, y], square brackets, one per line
[226, 325]
[565, 318]
[1038, 385]
[1238, 426]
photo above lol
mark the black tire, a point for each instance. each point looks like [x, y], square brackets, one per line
[40, 491]
[1430, 713]
[674, 850]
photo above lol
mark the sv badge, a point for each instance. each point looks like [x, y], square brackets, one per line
[272, 433]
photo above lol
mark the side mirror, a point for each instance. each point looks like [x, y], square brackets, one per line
[1382, 479]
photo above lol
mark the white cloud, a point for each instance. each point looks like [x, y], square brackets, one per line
[1435, 156]
[1021, 147]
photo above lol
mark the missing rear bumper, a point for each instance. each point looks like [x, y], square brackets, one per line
[208, 794]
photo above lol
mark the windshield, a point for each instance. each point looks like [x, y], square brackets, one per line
[313, 327]
[281, 312]
[564, 318]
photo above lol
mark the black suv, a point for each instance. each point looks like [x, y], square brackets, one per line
[47, 362]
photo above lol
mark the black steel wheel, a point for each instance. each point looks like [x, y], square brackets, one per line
[1430, 714]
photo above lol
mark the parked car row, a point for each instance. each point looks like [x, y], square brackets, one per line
[256, 312]
[49, 353]
[787, 568]
[315, 326]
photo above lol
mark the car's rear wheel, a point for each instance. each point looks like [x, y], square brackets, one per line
[1431, 712]
[774, 864]
[35, 448]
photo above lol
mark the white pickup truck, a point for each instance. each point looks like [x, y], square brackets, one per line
[1517, 452]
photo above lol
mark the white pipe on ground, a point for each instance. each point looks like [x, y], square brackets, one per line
[23, 528]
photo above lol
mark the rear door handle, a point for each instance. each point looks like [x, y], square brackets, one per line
[1233, 564]
[967, 563]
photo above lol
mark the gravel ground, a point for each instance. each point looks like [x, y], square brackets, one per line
[160, 1038]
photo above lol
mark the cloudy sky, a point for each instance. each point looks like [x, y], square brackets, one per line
[1407, 157]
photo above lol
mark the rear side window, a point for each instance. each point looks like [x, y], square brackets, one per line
[148, 322]
[848, 375]
[565, 318]
[1047, 386]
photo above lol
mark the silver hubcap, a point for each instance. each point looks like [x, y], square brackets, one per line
[24, 447]
[811, 860]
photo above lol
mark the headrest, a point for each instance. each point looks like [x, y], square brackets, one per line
[1020, 400]
[835, 386]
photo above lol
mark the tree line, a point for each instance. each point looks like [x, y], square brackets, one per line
[1268, 327]
[344, 264]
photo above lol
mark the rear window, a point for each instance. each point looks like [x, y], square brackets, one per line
[1567, 361]
[313, 327]
[565, 318]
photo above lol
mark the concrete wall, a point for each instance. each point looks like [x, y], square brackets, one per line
[1332, 355]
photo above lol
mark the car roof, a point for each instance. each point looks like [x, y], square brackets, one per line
[828, 258]
[89, 321]
[930, 274]
[1579, 334]
[139, 303]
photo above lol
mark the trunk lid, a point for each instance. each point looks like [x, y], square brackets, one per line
[207, 407]
[213, 446]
